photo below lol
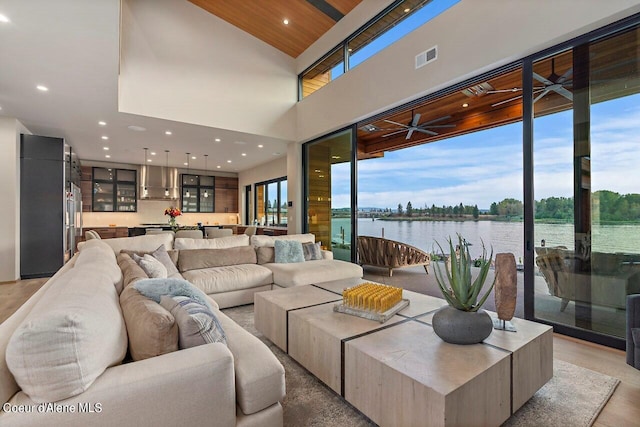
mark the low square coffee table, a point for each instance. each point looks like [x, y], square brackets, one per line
[400, 373]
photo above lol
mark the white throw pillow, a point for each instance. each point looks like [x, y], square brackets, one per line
[151, 266]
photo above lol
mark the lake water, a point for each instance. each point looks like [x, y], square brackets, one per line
[502, 236]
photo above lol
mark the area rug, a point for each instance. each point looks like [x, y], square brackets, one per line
[573, 398]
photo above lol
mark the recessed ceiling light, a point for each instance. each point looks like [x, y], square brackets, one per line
[228, 161]
[105, 148]
[193, 157]
[465, 105]
[153, 153]
[244, 154]
[218, 166]
[4, 19]
[407, 10]
[167, 132]
[101, 123]
[217, 140]
[335, 157]
[285, 21]
[149, 160]
[350, 50]
[260, 145]
[42, 88]
[185, 163]
[108, 156]
[136, 128]
[105, 137]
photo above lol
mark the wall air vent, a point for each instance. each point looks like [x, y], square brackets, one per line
[427, 56]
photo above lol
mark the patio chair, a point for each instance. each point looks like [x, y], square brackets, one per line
[380, 252]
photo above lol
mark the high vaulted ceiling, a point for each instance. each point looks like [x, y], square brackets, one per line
[264, 19]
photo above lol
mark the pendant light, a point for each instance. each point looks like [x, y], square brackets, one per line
[206, 193]
[166, 189]
[145, 192]
[187, 194]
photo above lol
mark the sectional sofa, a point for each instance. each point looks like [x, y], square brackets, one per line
[89, 349]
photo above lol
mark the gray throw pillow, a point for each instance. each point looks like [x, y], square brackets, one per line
[288, 251]
[162, 255]
[151, 266]
[197, 325]
[156, 288]
[311, 251]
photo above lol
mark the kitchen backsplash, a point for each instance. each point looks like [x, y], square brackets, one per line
[152, 211]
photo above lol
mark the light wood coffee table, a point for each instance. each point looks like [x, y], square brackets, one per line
[400, 373]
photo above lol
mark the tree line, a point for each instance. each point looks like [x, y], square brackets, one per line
[609, 205]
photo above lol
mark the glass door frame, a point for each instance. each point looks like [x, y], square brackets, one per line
[528, 179]
[354, 183]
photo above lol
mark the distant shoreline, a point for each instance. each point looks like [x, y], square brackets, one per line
[484, 218]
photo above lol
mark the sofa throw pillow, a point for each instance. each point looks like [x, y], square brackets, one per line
[162, 255]
[155, 288]
[151, 266]
[151, 329]
[131, 271]
[288, 251]
[197, 325]
[311, 251]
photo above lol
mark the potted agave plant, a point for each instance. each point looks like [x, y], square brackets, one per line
[460, 322]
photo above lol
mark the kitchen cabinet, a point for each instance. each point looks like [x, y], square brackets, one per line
[226, 195]
[114, 190]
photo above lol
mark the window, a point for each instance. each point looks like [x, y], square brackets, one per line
[197, 193]
[114, 190]
[393, 23]
[271, 202]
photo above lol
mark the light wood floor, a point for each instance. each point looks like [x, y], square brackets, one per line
[623, 409]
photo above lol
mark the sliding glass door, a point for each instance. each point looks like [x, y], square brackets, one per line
[586, 185]
[329, 192]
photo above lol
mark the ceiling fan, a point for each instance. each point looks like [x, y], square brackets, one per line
[414, 126]
[553, 83]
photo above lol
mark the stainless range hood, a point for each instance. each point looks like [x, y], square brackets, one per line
[158, 181]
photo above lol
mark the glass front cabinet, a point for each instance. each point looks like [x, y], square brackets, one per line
[114, 190]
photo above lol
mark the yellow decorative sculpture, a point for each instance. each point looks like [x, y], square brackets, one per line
[372, 297]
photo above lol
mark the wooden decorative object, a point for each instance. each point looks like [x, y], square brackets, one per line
[506, 290]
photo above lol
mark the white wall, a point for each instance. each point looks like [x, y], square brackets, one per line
[181, 63]
[10, 130]
[472, 37]
[274, 169]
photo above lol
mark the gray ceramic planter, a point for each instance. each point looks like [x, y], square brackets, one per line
[462, 327]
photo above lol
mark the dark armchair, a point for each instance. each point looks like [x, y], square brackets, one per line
[633, 330]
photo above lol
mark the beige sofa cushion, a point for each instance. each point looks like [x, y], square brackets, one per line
[194, 259]
[258, 241]
[98, 257]
[146, 243]
[219, 243]
[266, 254]
[230, 278]
[309, 272]
[69, 338]
[152, 330]
[131, 271]
[259, 374]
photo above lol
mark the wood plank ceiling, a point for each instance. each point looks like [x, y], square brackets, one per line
[308, 19]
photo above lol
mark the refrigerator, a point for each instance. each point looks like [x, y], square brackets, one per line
[50, 205]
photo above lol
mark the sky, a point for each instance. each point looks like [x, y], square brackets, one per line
[485, 167]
